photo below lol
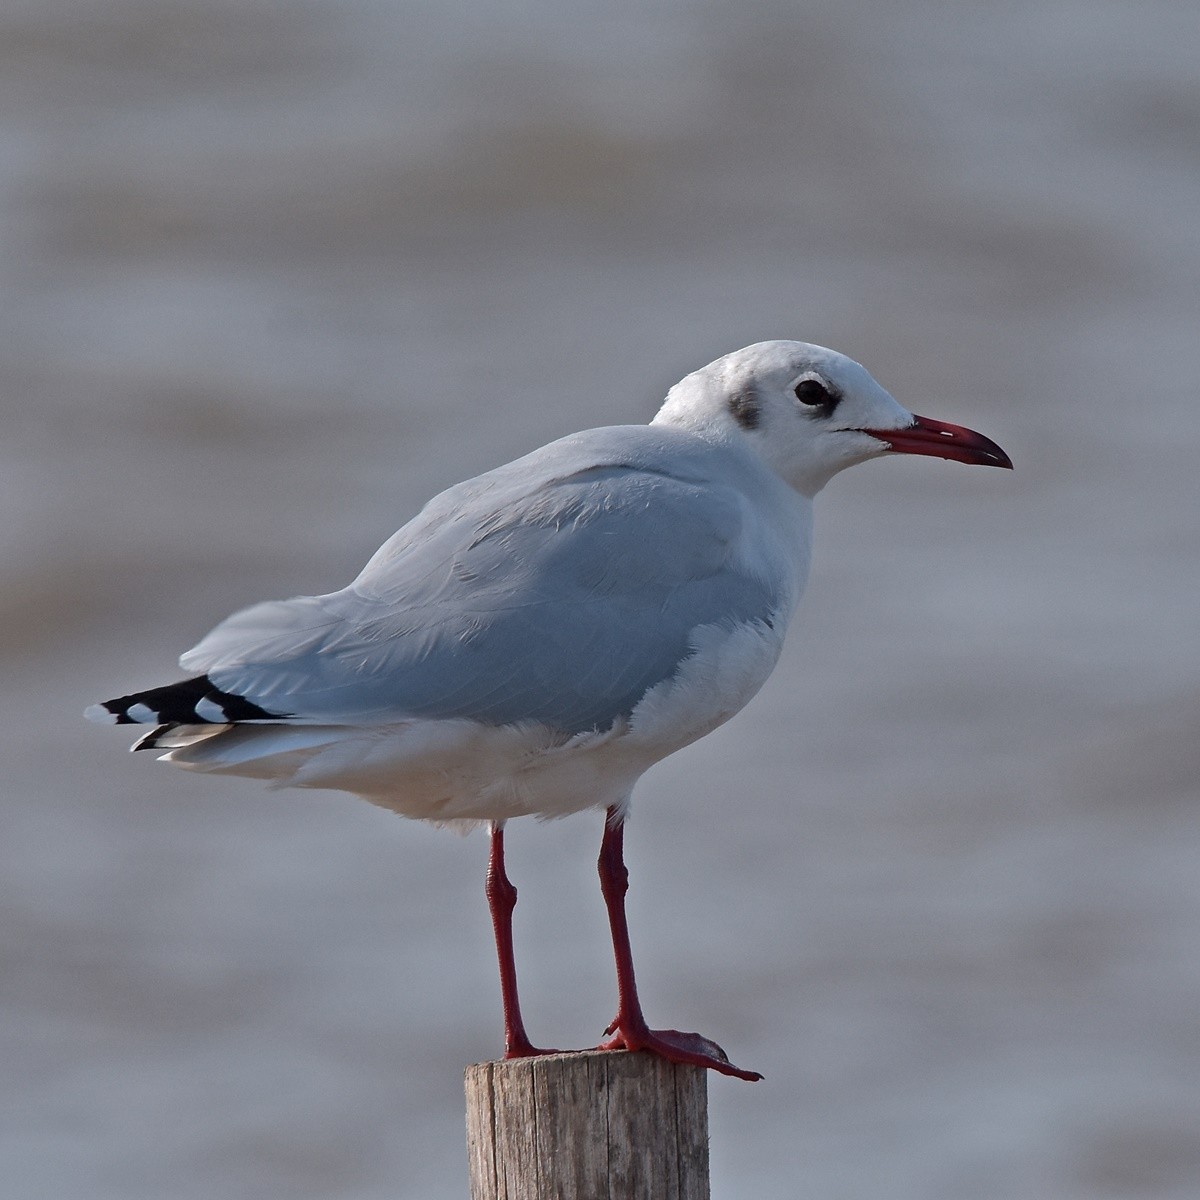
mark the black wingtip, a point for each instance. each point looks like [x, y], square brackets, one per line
[196, 701]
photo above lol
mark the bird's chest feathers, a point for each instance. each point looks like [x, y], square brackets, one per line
[727, 667]
[730, 662]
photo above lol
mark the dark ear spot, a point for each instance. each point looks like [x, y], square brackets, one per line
[745, 408]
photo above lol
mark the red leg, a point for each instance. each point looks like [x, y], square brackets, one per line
[502, 899]
[629, 1027]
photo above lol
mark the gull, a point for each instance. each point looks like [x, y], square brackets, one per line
[537, 637]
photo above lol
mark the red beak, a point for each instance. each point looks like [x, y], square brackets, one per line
[940, 440]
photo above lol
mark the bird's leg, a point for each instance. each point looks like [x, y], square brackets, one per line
[502, 899]
[629, 1028]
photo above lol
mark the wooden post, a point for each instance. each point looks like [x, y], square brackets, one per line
[587, 1126]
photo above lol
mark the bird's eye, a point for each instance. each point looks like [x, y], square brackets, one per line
[813, 392]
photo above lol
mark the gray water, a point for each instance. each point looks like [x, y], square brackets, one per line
[273, 274]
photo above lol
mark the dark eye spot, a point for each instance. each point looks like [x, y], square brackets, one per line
[814, 393]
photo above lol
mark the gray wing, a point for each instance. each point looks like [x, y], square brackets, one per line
[564, 604]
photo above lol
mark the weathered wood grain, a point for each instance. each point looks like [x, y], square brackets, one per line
[587, 1126]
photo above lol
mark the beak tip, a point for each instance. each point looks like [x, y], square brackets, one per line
[941, 440]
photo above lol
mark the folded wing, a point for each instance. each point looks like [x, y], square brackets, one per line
[561, 603]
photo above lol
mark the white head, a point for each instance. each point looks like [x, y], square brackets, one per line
[809, 412]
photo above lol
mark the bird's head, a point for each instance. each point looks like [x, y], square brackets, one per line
[810, 412]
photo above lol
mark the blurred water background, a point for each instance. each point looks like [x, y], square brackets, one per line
[272, 274]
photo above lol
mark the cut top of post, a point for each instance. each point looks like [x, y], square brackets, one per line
[587, 1125]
